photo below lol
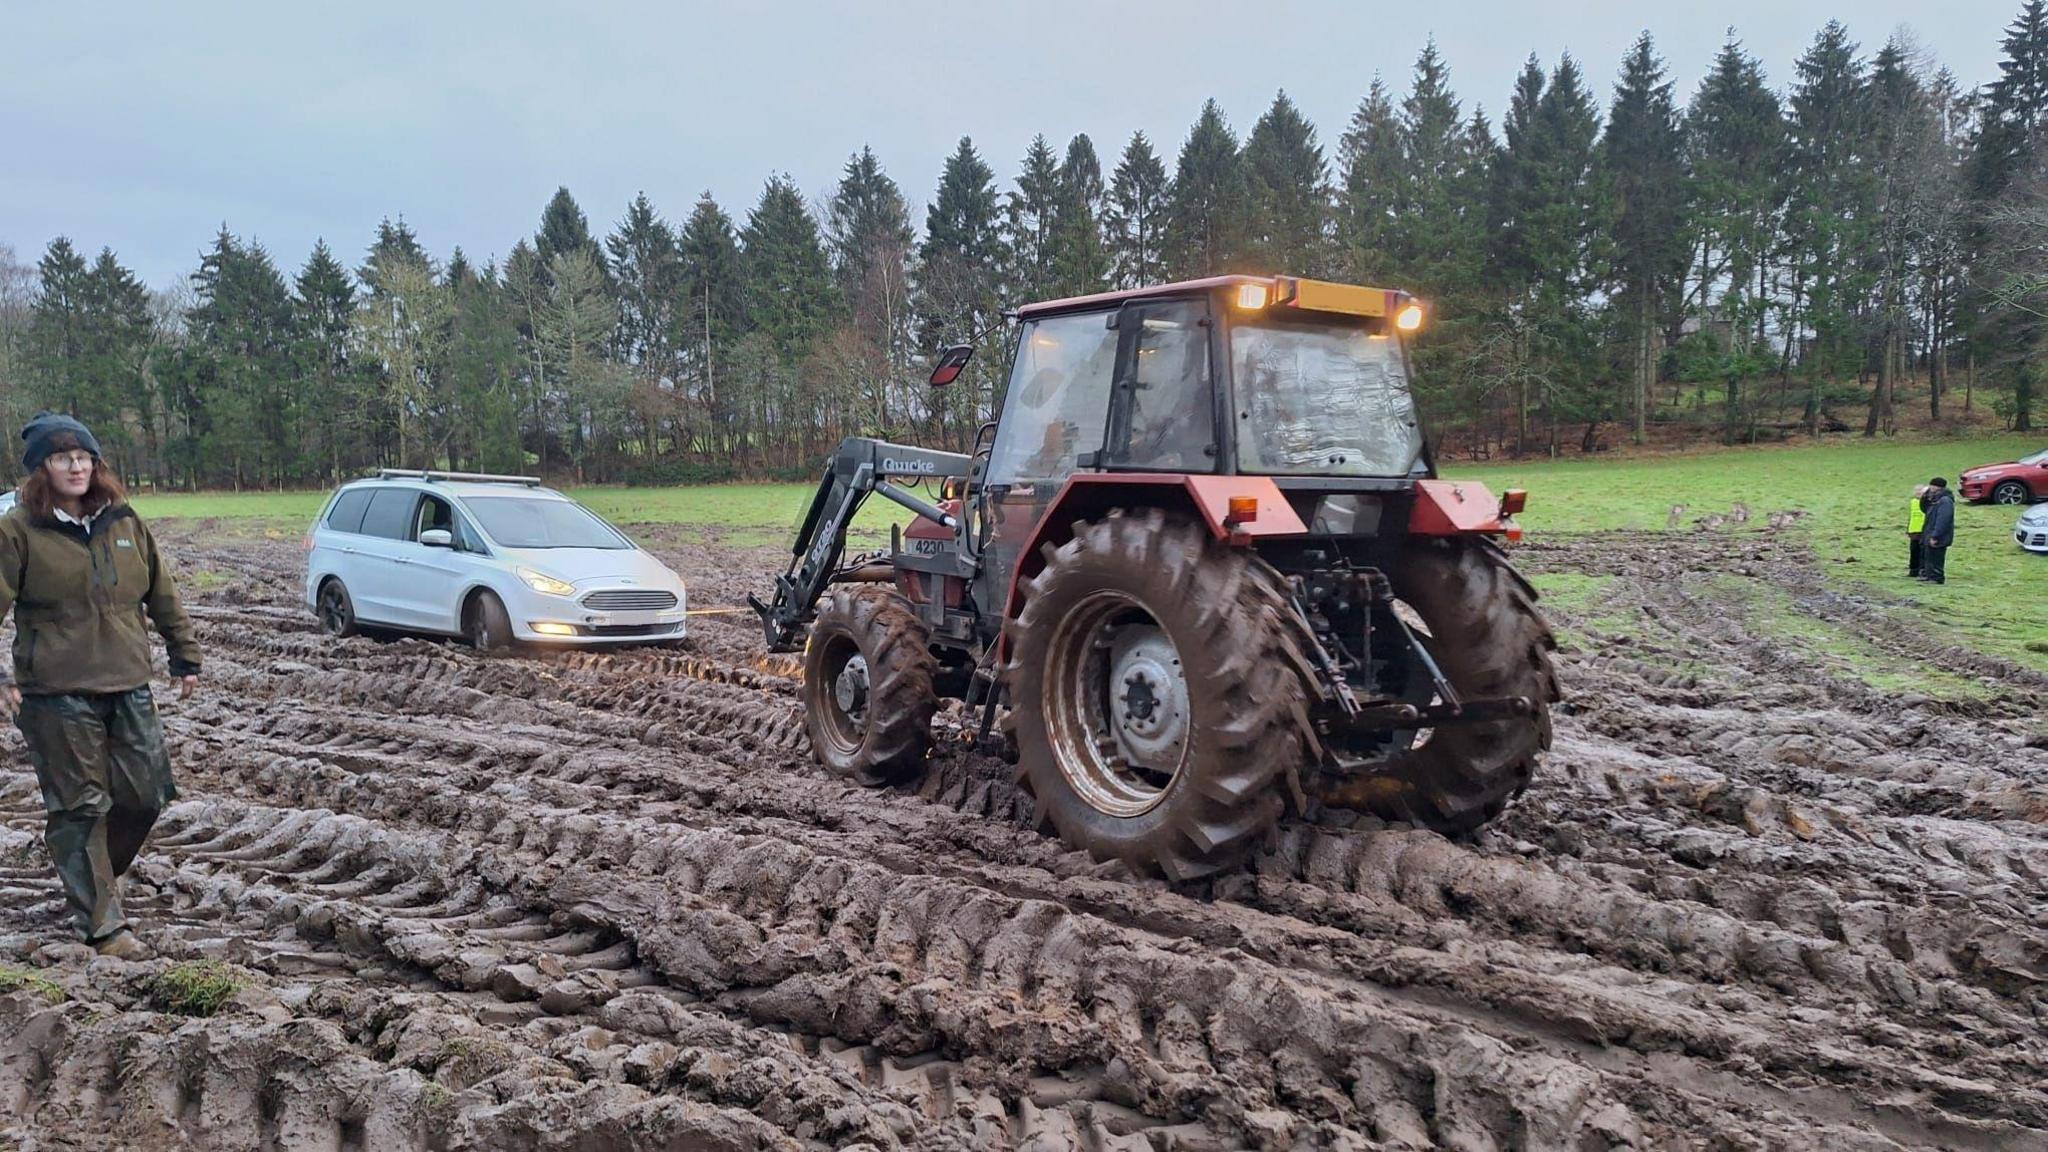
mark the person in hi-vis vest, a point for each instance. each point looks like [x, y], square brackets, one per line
[1916, 520]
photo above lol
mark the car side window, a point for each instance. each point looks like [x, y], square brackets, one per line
[389, 513]
[347, 513]
[434, 512]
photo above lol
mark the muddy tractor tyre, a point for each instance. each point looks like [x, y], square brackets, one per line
[1155, 710]
[1490, 641]
[868, 698]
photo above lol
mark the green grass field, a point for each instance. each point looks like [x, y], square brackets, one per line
[1853, 493]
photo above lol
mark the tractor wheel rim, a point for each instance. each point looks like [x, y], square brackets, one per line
[1148, 697]
[850, 688]
[846, 695]
[1116, 710]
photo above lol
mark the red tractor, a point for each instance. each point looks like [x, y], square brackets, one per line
[1201, 568]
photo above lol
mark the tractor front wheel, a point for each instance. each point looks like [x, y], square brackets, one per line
[868, 699]
[1155, 707]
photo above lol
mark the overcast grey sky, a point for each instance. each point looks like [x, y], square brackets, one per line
[145, 126]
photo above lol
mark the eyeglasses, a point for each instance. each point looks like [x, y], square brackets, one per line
[72, 460]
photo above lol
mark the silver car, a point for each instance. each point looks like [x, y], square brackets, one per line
[495, 559]
[7, 499]
[2031, 532]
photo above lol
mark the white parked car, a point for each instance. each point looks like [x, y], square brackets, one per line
[7, 500]
[2031, 532]
[493, 559]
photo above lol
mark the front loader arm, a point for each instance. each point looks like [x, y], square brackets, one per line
[859, 466]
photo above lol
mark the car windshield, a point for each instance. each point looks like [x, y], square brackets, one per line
[1326, 398]
[537, 522]
[2037, 458]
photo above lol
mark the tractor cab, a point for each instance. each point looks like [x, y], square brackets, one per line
[1301, 381]
[1234, 375]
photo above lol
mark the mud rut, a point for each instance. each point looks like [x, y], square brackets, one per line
[607, 900]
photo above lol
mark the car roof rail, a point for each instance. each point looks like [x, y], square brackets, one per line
[463, 477]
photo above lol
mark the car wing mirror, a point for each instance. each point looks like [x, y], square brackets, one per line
[437, 538]
[952, 361]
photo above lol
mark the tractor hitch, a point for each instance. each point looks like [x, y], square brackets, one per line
[1380, 718]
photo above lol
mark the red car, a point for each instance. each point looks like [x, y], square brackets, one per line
[2020, 482]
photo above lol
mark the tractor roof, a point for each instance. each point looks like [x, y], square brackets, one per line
[1315, 295]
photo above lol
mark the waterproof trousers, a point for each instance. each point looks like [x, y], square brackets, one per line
[1934, 563]
[105, 776]
[1915, 553]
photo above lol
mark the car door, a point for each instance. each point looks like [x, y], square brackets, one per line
[380, 568]
[435, 576]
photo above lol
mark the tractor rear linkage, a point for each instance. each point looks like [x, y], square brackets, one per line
[1346, 589]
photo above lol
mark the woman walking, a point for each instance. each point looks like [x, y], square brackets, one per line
[80, 570]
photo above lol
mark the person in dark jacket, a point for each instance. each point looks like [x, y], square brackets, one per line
[80, 571]
[1938, 532]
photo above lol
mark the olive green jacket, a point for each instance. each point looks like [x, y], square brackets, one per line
[80, 599]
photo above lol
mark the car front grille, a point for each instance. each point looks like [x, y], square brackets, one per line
[630, 600]
[628, 629]
[2039, 540]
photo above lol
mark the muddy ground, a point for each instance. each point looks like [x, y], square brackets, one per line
[608, 901]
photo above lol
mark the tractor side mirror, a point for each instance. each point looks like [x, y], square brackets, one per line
[952, 360]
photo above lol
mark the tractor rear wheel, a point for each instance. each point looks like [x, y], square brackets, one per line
[1485, 633]
[868, 699]
[1155, 708]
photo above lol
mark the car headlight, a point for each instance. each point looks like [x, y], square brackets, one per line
[540, 582]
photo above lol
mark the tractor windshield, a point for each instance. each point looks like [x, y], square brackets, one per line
[1321, 398]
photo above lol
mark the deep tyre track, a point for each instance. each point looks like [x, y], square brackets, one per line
[1748, 901]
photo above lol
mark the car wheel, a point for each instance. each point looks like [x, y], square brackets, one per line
[335, 611]
[488, 627]
[2009, 492]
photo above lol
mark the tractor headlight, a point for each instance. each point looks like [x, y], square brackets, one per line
[541, 582]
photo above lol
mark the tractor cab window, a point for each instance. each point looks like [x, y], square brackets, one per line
[1323, 397]
[1162, 415]
[1057, 405]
